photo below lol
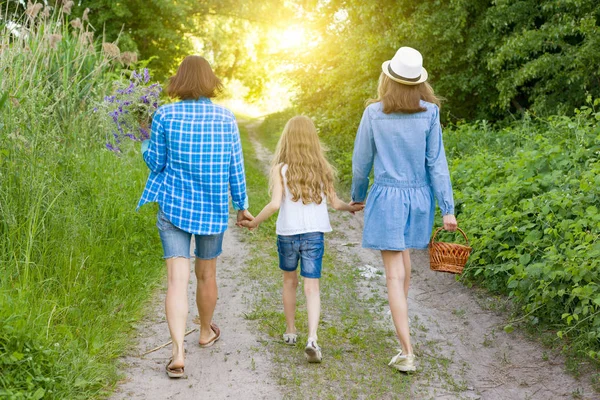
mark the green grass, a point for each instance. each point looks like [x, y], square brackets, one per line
[77, 261]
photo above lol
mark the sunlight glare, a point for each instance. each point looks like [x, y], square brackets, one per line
[292, 38]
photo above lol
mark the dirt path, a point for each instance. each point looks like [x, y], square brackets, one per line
[236, 367]
[458, 334]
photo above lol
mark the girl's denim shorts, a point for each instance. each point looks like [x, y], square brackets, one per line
[308, 248]
[176, 243]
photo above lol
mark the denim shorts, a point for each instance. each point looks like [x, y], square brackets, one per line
[308, 248]
[176, 243]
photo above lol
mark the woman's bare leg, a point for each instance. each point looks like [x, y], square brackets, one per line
[176, 305]
[407, 269]
[290, 284]
[395, 275]
[206, 295]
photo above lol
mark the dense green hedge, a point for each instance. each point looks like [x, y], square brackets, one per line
[528, 195]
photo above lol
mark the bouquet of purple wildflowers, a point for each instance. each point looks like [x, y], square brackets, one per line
[130, 108]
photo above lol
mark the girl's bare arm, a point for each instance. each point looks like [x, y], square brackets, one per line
[273, 206]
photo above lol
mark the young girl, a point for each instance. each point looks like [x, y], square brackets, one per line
[301, 182]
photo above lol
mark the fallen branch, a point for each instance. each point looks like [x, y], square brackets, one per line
[166, 344]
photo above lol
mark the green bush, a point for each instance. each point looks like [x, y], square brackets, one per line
[528, 196]
[73, 251]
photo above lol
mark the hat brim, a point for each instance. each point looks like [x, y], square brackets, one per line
[423, 78]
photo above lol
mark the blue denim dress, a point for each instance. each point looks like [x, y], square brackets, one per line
[410, 168]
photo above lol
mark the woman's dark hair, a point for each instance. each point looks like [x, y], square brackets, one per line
[194, 79]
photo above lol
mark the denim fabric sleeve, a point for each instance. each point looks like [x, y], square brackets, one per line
[156, 154]
[437, 166]
[362, 158]
[237, 179]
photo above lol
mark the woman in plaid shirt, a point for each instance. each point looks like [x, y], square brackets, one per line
[195, 160]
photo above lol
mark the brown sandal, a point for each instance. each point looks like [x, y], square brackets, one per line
[174, 372]
[212, 341]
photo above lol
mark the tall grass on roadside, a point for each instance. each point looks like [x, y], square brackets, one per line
[73, 251]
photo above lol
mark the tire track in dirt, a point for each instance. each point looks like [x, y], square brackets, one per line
[458, 336]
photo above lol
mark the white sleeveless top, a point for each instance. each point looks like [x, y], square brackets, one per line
[296, 218]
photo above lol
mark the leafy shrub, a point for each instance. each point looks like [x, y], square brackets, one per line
[528, 196]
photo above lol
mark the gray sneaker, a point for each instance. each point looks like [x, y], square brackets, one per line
[404, 363]
[290, 339]
[313, 351]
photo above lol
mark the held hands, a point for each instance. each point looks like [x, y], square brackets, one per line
[356, 206]
[251, 225]
[244, 219]
[450, 223]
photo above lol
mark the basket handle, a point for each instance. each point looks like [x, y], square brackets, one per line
[441, 227]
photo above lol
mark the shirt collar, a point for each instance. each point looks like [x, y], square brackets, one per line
[200, 100]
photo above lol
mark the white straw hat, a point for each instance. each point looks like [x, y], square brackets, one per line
[406, 67]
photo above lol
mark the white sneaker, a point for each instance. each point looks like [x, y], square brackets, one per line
[313, 351]
[404, 363]
[290, 338]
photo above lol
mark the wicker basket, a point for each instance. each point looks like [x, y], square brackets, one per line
[448, 257]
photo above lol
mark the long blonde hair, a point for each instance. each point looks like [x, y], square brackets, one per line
[397, 97]
[309, 175]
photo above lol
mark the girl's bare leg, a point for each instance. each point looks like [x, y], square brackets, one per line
[176, 305]
[395, 275]
[290, 284]
[313, 305]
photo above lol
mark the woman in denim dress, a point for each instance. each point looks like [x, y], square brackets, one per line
[400, 135]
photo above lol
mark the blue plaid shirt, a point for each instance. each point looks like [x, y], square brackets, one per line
[195, 156]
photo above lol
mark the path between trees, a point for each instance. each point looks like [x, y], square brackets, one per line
[457, 332]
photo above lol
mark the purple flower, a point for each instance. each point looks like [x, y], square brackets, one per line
[95, 109]
[129, 90]
[155, 105]
[146, 75]
[135, 75]
[144, 99]
[144, 134]
[112, 148]
[109, 99]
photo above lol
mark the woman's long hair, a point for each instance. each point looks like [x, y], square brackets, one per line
[397, 97]
[309, 175]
